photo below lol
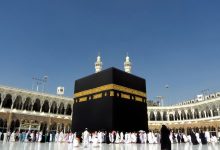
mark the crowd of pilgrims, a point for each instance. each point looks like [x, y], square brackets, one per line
[108, 137]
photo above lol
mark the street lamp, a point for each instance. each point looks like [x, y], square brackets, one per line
[44, 83]
[160, 98]
[38, 82]
[204, 93]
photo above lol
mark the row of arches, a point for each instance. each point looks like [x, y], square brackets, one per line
[184, 115]
[37, 105]
[33, 125]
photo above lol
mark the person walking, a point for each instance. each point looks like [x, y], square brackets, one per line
[165, 140]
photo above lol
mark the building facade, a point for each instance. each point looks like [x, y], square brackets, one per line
[192, 114]
[28, 110]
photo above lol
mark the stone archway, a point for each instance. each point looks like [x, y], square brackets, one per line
[183, 115]
[68, 110]
[189, 114]
[18, 103]
[208, 112]
[152, 116]
[196, 113]
[165, 116]
[45, 107]
[214, 111]
[37, 105]
[27, 104]
[171, 117]
[177, 116]
[7, 102]
[61, 109]
[202, 114]
[53, 108]
[158, 116]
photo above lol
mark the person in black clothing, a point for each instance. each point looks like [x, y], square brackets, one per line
[202, 137]
[165, 140]
[114, 136]
[193, 138]
[178, 137]
[107, 141]
[138, 138]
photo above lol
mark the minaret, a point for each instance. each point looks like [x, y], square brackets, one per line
[98, 64]
[127, 65]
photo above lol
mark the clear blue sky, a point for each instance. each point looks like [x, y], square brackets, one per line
[169, 42]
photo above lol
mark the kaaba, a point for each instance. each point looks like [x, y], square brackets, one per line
[110, 100]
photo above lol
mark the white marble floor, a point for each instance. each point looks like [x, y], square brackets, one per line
[66, 146]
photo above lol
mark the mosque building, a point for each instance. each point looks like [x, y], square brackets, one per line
[22, 109]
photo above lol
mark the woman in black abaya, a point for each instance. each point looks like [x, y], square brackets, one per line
[193, 138]
[165, 138]
[202, 137]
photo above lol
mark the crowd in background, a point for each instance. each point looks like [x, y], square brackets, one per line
[116, 137]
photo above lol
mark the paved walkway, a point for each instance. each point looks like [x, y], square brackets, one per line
[66, 146]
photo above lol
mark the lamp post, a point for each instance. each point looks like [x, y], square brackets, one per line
[160, 98]
[204, 93]
[44, 83]
[38, 82]
[167, 93]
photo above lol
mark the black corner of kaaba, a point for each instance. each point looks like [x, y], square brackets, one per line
[110, 100]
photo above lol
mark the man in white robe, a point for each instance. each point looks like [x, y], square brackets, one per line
[40, 136]
[133, 138]
[189, 138]
[214, 139]
[126, 138]
[32, 136]
[85, 138]
[56, 136]
[12, 137]
[70, 137]
[61, 137]
[95, 140]
[100, 137]
[51, 137]
[117, 140]
[76, 140]
[37, 136]
[207, 135]
[121, 137]
[26, 136]
[150, 138]
[185, 138]
[141, 135]
[5, 137]
[197, 137]
[171, 137]
[111, 137]
[145, 137]
[8, 136]
[66, 137]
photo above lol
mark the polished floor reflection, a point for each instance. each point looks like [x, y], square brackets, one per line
[66, 146]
